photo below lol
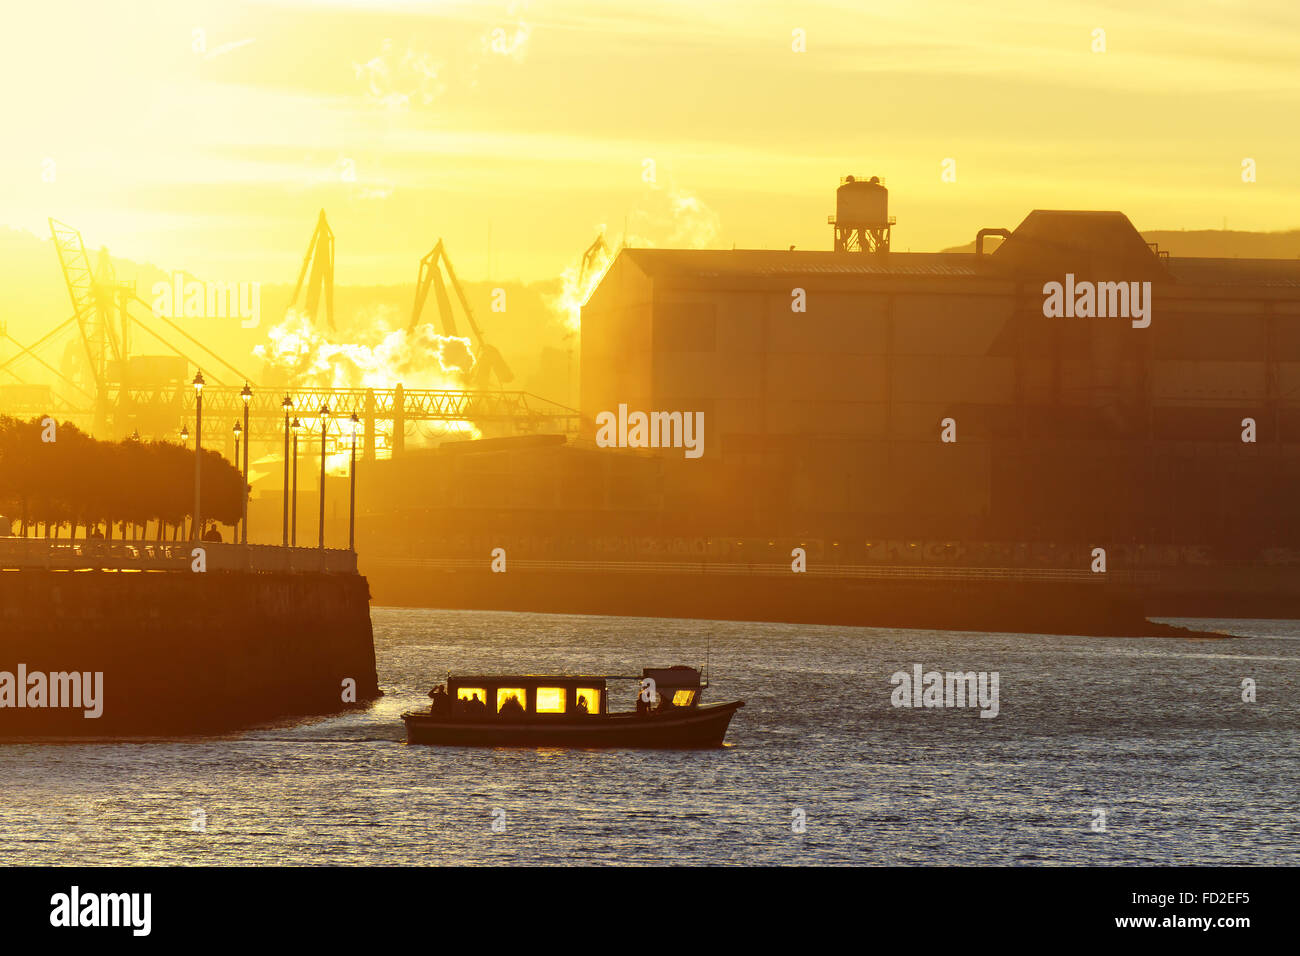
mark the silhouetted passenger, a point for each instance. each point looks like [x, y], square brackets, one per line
[212, 534]
[582, 706]
[512, 707]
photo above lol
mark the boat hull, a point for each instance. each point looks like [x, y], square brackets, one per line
[703, 726]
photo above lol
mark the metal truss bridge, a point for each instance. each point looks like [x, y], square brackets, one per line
[386, 415]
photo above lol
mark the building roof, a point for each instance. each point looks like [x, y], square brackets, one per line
[1092, 244]
[721, 263]
[1236, 272]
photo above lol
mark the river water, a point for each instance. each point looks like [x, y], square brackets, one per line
[1103, 751]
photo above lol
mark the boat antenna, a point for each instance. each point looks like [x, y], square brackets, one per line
[708, 648]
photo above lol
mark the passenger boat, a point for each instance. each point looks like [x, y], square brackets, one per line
[570, 711]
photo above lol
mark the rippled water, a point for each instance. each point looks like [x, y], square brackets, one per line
[1153, 732]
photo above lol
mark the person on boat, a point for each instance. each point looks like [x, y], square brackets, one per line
[512, 707]
[439, 697]
[581, 708]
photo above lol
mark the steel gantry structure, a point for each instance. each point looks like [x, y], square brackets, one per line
[384, 412]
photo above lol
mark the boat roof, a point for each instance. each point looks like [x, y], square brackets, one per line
[584, 679]
[677, 676]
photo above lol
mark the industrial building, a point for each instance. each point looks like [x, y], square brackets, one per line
[830, 379]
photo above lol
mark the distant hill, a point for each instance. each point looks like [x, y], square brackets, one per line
[1210, 244]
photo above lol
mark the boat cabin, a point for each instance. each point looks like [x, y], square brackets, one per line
[531, 694]
[672, 686]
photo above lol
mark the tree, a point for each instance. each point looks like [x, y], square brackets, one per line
[83, 481]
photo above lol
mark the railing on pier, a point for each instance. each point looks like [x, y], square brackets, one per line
[169, 556]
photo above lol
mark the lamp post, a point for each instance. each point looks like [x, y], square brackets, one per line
[293, 524]
[185, 440]
[238, 432]
[324, 429]
[197, 530]
[287, 405]
[246, 394]
[352, 489]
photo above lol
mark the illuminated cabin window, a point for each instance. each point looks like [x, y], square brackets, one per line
[683, 698]
[466, 693]
[505, 693]
[550, 700]
[591, 696]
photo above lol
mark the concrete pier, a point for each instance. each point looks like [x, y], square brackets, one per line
[187, 653]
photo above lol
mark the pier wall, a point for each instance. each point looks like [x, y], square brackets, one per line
[187, 653]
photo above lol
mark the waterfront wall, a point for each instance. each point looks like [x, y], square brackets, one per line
[184, 652]
[1069, 604]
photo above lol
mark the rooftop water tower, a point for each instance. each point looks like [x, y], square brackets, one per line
[862, 218]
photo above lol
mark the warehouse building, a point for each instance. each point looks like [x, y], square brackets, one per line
[870, 393]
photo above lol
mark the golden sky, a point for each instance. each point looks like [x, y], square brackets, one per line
[205, 135]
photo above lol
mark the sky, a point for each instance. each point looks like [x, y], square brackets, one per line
[205, 136]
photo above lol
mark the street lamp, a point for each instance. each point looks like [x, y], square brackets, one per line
[198, 454]
[246, 394]
[239, 431]
[296, 427]
[324, 429]
[287, 405]
[354, 423]
[185, 440]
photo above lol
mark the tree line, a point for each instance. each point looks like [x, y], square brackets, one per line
[78, 482]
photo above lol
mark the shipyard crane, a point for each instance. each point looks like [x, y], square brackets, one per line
[101, 313]
[98, 307]
[320, 257]
[25, 351]
[590, 259]
[594, 259]
[105, 292]
[488, 361]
